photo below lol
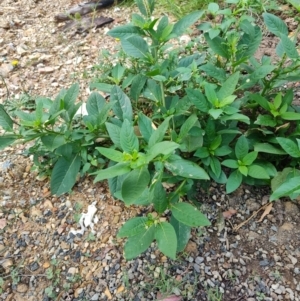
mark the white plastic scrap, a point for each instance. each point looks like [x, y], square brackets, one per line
[86, 220]
[82, 111]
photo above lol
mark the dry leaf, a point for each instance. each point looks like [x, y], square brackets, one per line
[229, 213]
[108, 294]
[168, 298]
[266, 212]
[2, 223]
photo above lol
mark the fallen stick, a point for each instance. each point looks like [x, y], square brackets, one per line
[83, 9]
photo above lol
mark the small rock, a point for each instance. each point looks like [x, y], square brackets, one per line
[72, 270]
[253, 235]
[199, 259]
[5, 69]
[293, 259]
[46, 70]
[95, 297]
[191, 247]
[7, 263]
[197, 267]
[78, 291]
[34, 266]
[22, 288]
[291, 208]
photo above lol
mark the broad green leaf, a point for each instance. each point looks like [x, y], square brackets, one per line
[277, 100]
[226, 102]
[223, 151]
[234, 181]
[188, 124]
[268, 148]
[185, 168]
[222, 179]
[236, 116]
[261, 72]
[249, 43]
[181, 26]
[213, 7]
[257, 172]
[260, 100]
[265, 120]
[290, 116]
[71, 96]
[230, 163]
[228, 87]
[202, 152]
[215, 166]
[211, 95]
[114, 132]
[139, 243]
[241, 147]
[153, 91]
[146, 7]
[275, 25]
[137, 85]
[166, 238]
[111, 172]
[289, 146]
[136, 47]
[161, 148]
[52, 142]
[286, 188]
[26, 119]
[218, 45]
[145, 126]
[295, 3]
[161, 26]
[125, 31]
[159, 197]
[57, 104]
[104, 87]
[243, 170]
[183, 233]
[5, 121]
[250, 158]
[159, 133]
[214, 32]
[117, 72]
[111, 154]
[198, 99]
[144, 199]
[64, 175]
[95, 103]
[7, 140]
[122, 107]
[189, 215]
[283, 176]
[133, 227]
[215, 113]
[213, 71]
[128, 140]
[134, 184]
[289, 47]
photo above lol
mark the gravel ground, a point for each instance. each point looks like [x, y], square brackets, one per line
[235, 259]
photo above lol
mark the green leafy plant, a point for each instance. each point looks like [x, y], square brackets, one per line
[175, 118]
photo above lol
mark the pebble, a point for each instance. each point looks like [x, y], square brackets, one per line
[197, 267]
[199, 260]
[22, 288]
[95, 297]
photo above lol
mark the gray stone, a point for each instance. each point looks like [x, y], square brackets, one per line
[197, 267]
[95, 297]
[199, 260]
